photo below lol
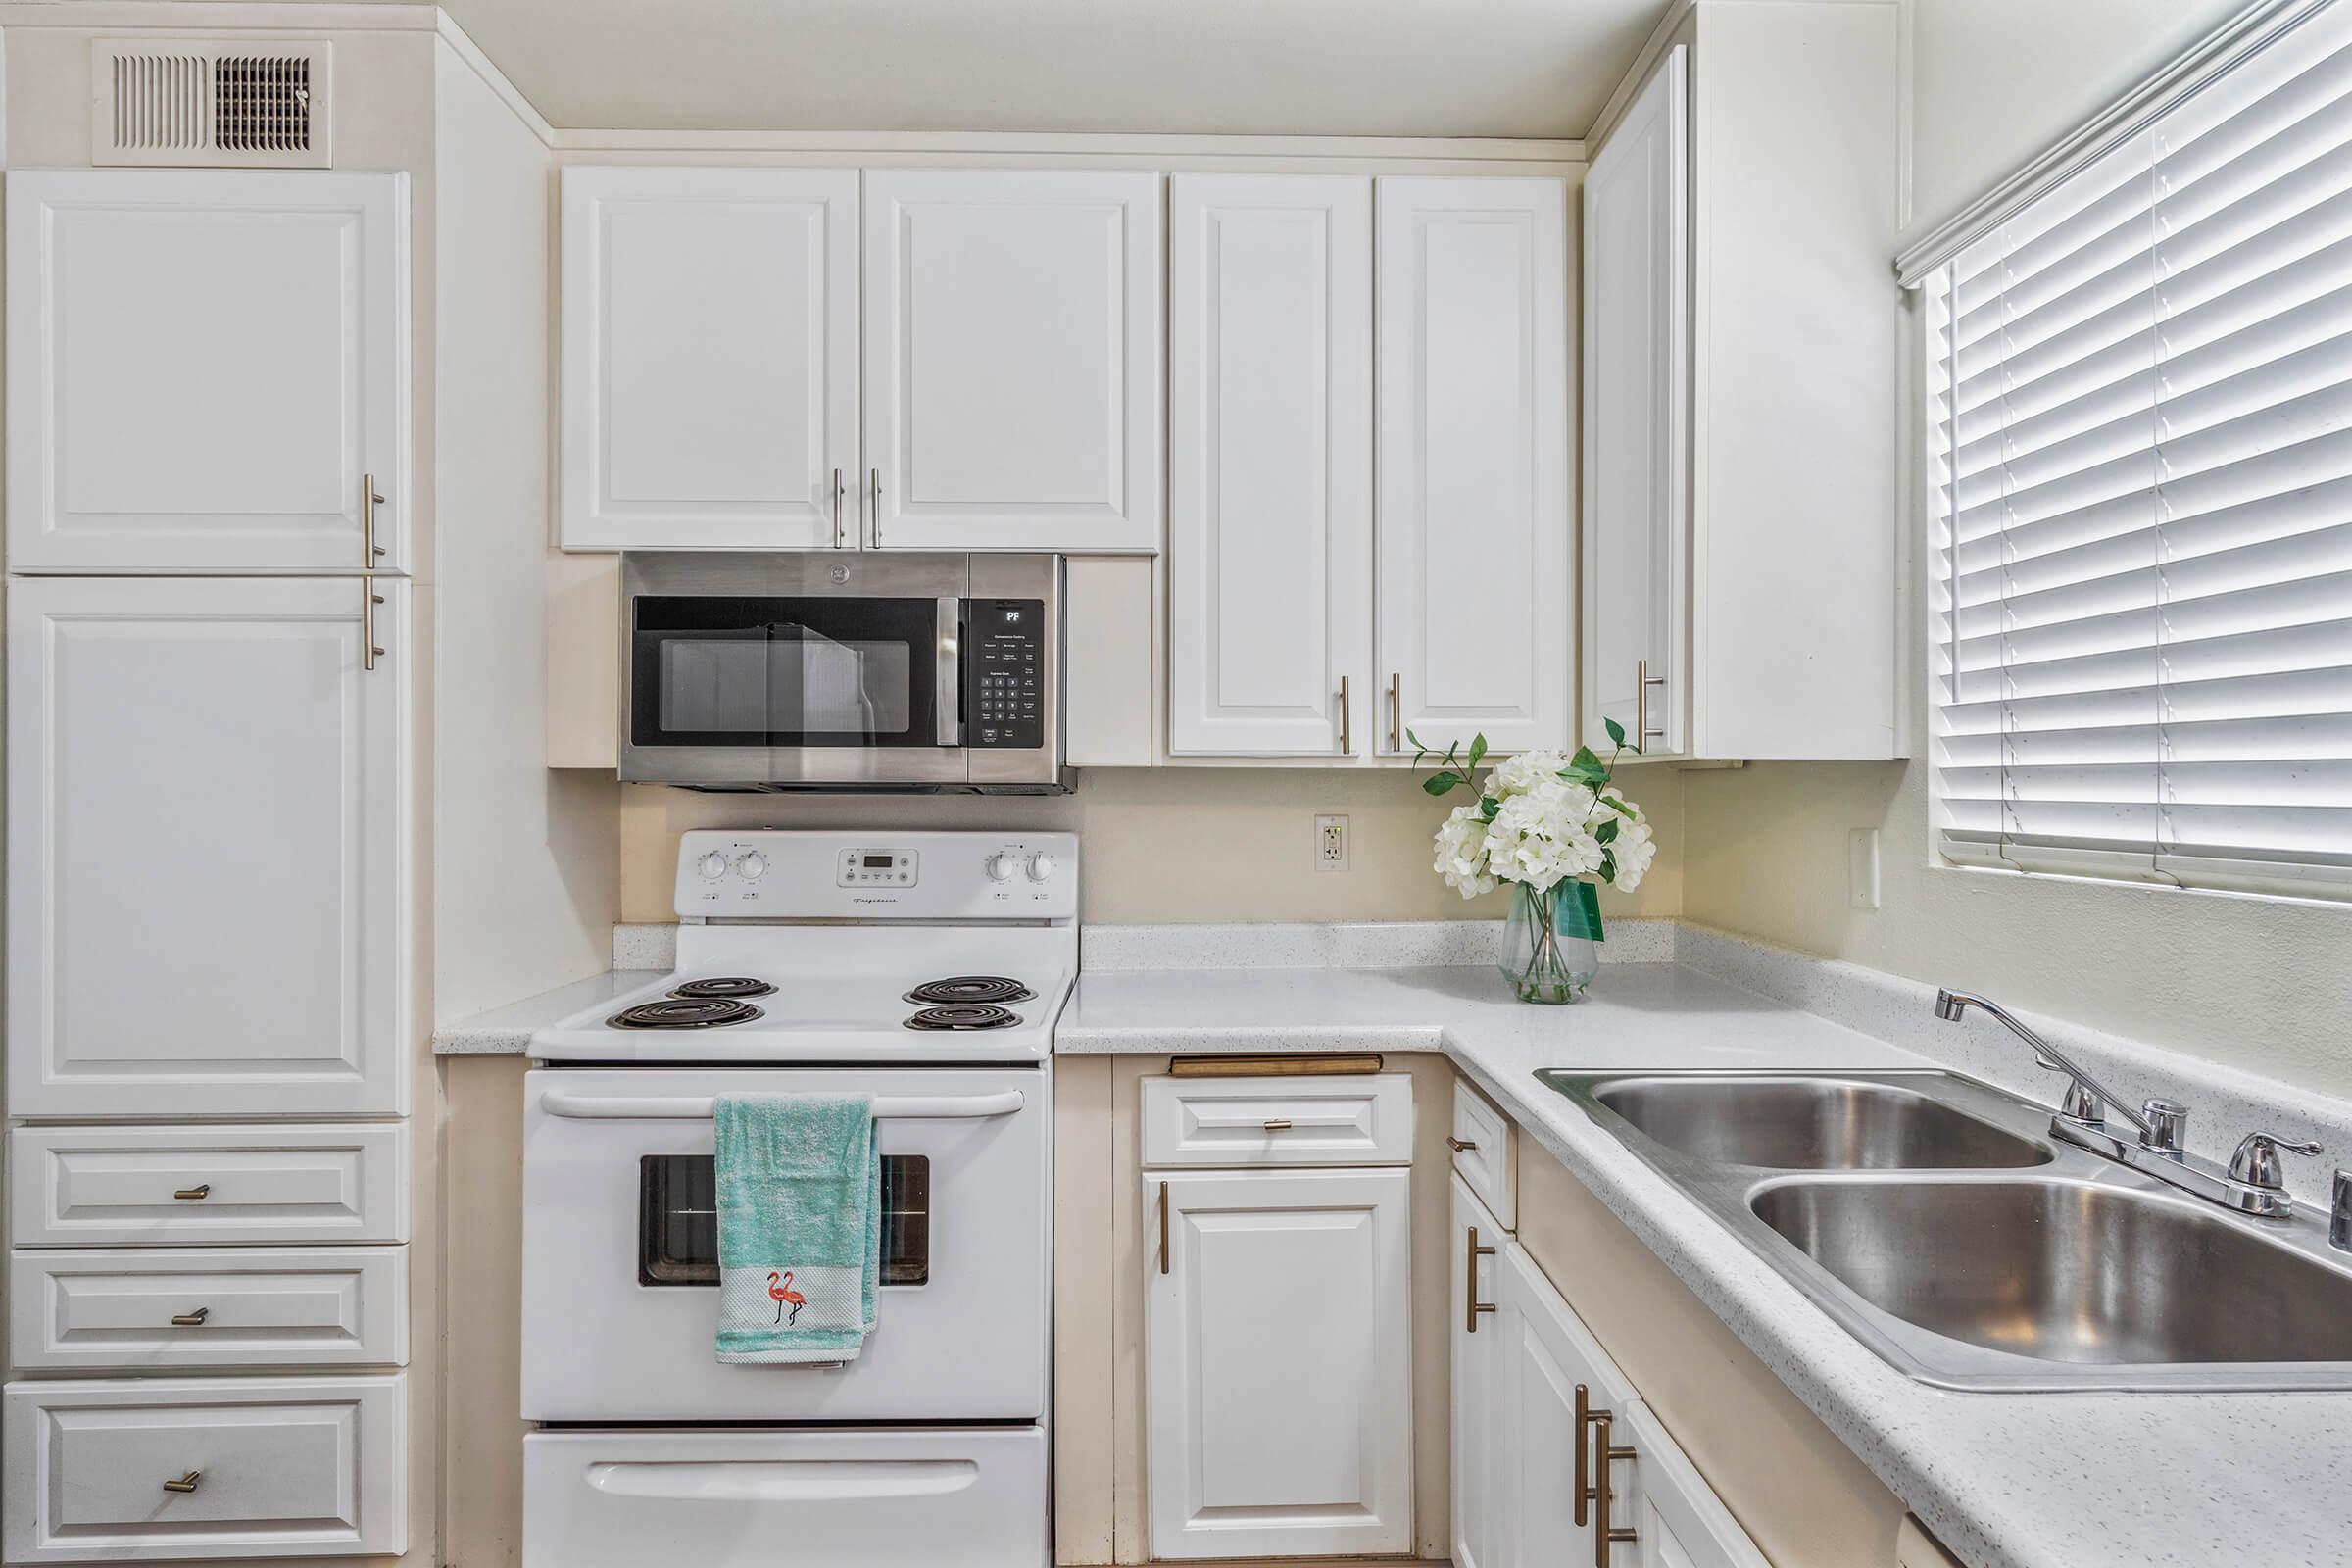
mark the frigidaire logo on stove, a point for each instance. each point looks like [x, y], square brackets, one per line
[867, 898]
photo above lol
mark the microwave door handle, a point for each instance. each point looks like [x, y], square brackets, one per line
[947, 668]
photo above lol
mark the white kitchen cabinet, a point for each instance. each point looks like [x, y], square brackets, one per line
[234, 1469]
[206, 370]
[1740, 392]
[1545, 1356]
[189, 1186]
[1277, 1332]
[206, 847]
[1011, 347]
[136, 1309]
[1271, 464]
[1636, 414]
[1472, 631]
[710, 359]
[1477, 1365]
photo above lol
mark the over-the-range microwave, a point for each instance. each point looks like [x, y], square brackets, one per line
[822, 670]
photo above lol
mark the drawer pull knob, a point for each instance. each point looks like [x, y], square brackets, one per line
[186, 1483]
[191, 1320]
[1460, 1145]
[190, 1195]
[1278, 1124]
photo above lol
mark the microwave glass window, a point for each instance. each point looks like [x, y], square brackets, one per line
[678, 1220]
[760, 672]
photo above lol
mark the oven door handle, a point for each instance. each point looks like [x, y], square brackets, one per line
[893, 1107]
[948, 672]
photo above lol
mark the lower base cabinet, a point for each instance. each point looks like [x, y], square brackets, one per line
[226, 1469]
[1278, 1362]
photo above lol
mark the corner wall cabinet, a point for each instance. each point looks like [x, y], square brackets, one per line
[899, 360]
[1280, 644]
[1277, 1336]
[206, 371]
[1741, 401]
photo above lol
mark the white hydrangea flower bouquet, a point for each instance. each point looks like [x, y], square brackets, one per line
[1545, 821]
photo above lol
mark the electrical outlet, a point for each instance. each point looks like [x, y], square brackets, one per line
[1331, 844]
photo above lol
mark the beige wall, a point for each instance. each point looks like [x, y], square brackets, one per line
[2263, 984]
[1174, 844]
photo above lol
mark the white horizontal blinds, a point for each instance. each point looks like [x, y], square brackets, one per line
[2140, 448]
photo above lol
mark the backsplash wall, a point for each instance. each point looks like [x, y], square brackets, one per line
[1176, 844]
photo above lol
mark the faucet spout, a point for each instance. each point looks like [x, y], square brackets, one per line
[1951, 1006]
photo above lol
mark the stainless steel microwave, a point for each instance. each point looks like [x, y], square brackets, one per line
[853, 671]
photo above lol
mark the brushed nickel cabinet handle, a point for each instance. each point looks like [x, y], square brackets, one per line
[1604, 1533]
[192, 1320]
[1643, 680]
[837, 508]
[1396, 713]
[1278, 1124]
[1460, 1145]
[189, 1194]
[1470, 1274]
[186, 1483]
[874, 530]
[1163, 1227]
[1587, 1493]
[1347, 748]
[370, 499]
[370, 652]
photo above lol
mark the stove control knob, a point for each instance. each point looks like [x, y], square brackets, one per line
[1040, 867]
[713, 866]
[999, 867]
[753, 866]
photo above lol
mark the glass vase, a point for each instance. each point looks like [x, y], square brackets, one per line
[1552, 942]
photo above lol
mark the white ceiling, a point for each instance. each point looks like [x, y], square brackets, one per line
[1385, 67]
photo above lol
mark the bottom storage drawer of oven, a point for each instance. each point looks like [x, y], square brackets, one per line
[878, 1497]
[233, 1469]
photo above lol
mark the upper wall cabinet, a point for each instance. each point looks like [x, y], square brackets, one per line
[1472, 631]
[207, 372]
[710, 345]
[1012, 366]
[1740, 391]
[1270, 472]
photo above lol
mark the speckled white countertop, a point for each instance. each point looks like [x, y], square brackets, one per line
[2030, 1480]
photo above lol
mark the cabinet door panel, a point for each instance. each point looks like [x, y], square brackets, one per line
[205, 848]
[1278, 1359]
[709, 357]
[1012, 378]
[1546, 1353]
[1473, 462]
[1637, 410]
[202, 368]
[1477, 1339]
[1270, 477]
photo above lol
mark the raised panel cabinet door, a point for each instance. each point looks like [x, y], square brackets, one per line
[1472, 633]
[1013, 360]
[710, 359]
[1271, 464]
[1476, 1334]
[206, 370]
[1277, 1330]
[1636, 421]
[1546, 1355]
[206, 847]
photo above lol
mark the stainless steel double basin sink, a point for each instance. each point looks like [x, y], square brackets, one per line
[1934, 1219]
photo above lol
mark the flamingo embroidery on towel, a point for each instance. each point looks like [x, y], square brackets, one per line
[781, 1292]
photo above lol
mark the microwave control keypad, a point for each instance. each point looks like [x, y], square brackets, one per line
[1005, 664]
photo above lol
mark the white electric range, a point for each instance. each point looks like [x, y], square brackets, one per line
[926, 969]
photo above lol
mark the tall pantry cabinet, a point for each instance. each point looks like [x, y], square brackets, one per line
[207, 678]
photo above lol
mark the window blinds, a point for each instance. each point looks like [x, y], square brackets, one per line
[2140, 498]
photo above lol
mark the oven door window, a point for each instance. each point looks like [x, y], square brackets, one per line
[678, 1220]
[710, 671]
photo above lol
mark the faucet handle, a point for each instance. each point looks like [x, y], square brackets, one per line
[2165, 1119]
[2256, 1162]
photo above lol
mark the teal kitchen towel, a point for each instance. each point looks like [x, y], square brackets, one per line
[799, 1226]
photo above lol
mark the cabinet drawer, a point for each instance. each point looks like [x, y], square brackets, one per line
[271, 1467]
[1363, 1120]
[80, 1186]
[1483, 1153]
[130, 1309]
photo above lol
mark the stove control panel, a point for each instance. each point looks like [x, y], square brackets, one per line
[778, 874]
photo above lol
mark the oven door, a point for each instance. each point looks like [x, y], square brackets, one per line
[620, 1250]
[756, 669]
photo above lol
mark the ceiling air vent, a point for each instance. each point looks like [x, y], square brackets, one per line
[185, 102]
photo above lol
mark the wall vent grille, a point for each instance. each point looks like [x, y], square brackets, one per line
[182, 102]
